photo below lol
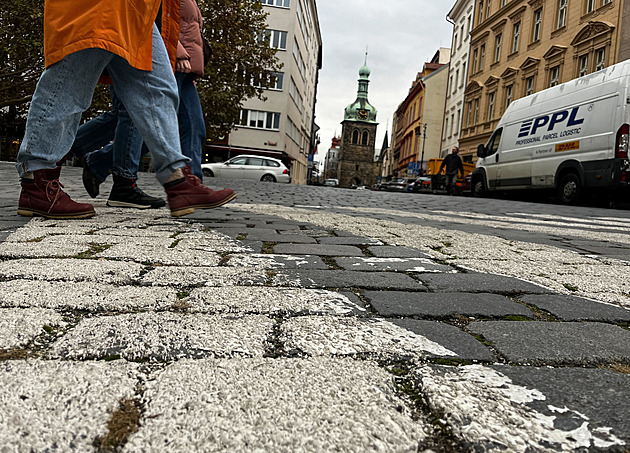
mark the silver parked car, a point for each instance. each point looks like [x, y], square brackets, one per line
[259, 168]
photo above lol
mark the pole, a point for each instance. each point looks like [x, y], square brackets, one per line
[424, 139]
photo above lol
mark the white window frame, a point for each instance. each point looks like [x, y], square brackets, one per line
[260, 119]
[600, 59]
[537, 25]
[491, 97]
[562, 13]
[590, 6]
[508, 95]
[482, 56]
[278, 3]
[554, 76]
[497, 47]
[529, 86]
[516, 36]
[583, 65]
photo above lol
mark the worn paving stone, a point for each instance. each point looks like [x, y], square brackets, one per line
[346, 279]
[390, 251]
[579, 396]
[348, 240]
[444, 305]
[61, 249]
[268, 300]
[487, 411]
[464, 345]
[391, 264]
[570, 308]
[556, 343]
[317, 249]
[60, 406]
[279, 226]
[276, 405]
[90, 296]
[18, 327]
[76, 270]
[272, 261]
[164, 336]
[208, 276]
[176, 256]
[271, 236]
[332, 335]
[480, 283]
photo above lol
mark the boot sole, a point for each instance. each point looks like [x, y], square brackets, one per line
[33, 213]
[123, 204]
[190, 209]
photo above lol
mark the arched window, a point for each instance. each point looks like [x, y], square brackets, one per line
[365, 137]
[355, 137]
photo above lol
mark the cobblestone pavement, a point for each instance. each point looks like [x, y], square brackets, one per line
[312, 319]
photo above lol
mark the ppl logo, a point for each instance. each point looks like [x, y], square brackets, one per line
[530, 127]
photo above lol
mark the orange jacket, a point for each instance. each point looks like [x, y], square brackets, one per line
[123, 27]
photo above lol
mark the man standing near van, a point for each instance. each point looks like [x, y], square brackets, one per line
[453, 164]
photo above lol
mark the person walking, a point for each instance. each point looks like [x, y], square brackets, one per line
[122, 158]
[453, 164]
[81, 40]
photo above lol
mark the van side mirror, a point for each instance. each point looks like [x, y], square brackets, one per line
[481, 151]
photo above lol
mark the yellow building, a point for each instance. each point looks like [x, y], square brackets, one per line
[417, 129]
[519, 47]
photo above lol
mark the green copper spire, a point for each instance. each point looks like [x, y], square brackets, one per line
[361, 109]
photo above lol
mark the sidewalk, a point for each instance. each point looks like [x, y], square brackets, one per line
[237, 331]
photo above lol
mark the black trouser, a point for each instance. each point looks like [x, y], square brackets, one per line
[450, 177]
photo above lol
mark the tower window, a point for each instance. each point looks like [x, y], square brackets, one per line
[355, 137]
[365, 137]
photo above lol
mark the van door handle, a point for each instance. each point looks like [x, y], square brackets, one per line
[496, 158]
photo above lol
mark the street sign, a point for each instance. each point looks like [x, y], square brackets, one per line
[413, 168]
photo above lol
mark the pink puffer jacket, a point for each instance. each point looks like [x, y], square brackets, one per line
[190, 46]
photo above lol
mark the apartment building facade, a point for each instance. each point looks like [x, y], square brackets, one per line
[461, 16]
[283, 126]
[418, 120]
[519, 47]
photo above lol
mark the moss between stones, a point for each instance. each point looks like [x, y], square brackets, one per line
[123, 422]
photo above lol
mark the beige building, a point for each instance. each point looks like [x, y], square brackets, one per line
[283, 126]
[417, 130]
[519, 47]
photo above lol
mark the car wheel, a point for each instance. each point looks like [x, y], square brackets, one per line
[207, 172]
[268, 178]
[478, 188]
[569, 189]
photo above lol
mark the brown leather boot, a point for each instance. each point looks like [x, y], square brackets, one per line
[188, 193]
[42, 196]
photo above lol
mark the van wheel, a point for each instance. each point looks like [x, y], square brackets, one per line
[569, 189]
[478, 188]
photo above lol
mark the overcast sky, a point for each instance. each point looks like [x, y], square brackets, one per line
[400, 37]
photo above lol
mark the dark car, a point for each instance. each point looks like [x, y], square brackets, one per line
[421, 184]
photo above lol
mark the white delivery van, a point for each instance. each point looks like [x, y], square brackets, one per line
[572, 138]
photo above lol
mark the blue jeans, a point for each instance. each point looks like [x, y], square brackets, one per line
[65, 90]
[123, 157]
[192, 127]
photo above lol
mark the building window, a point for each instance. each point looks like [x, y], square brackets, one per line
[474, 62]
[480, 12]
[260, 120]
[476, 115]
[293, 132]
[508, 95]
[283, 3]
[469, 25]
[488, 9]
[365, 137]
[537, 25]
[459, 117]
[456, 79]
[590, 6]
[451, 84]
[279, 80]
[600, 59]
[276, 39]
[482, 56]
[296, 96]
[445, 128]
[554, 76]
[497, 48]
[516, 35]
[452, 124]
[583, 67]
[463, 74]
[490, 106]
[355, 137]
[562, 13]
[503, 2]
[529, 86]
[606, 2]
[469, 115]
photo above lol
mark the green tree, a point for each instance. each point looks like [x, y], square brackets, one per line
[241, 62]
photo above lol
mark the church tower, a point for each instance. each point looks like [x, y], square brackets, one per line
[358, 137]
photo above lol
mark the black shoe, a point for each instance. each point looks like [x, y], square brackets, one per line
[126, 194]
[90, 181]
